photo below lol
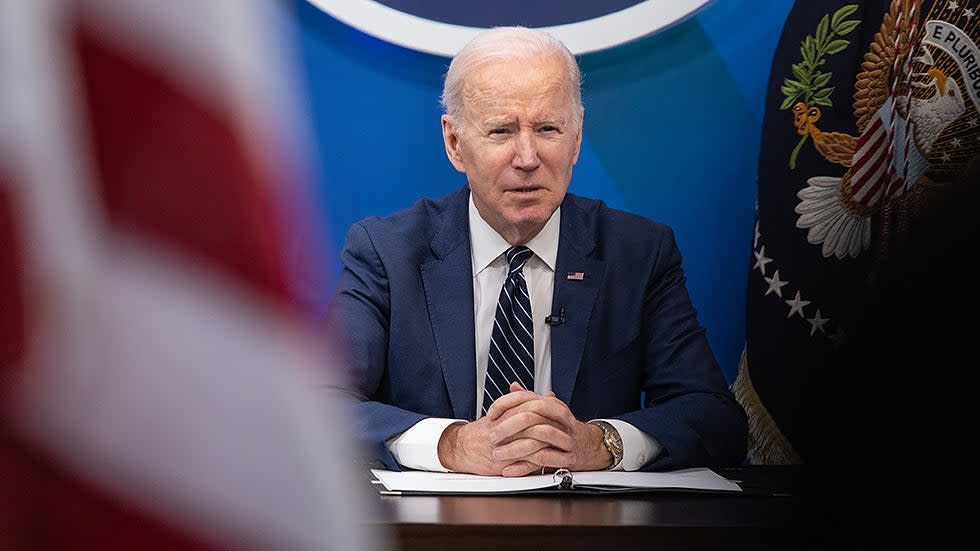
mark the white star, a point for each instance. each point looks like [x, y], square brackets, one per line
[952, 5]
[761, 260]
[796, 306]
[776, 286]
[946, 157]
[955, 142]
[968, 13]
[817, 322]
[973, 121]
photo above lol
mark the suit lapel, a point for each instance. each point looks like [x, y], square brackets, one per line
[576, 296]
[449, 299]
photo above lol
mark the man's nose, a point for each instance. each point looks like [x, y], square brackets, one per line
[526, 154]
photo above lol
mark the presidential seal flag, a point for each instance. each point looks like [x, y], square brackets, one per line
[867, 180]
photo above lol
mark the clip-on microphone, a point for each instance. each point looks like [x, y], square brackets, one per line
[554, 320]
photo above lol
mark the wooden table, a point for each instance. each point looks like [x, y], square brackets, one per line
[768, 516]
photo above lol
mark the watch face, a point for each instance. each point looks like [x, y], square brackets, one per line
[612, 440]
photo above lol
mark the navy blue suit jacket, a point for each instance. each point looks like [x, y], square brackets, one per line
[405, 305]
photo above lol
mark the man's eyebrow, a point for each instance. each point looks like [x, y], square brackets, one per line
[498, 121]
[552, 121]
[504, 120]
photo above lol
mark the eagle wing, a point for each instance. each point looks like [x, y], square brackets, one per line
[871, 84]
[836, 147]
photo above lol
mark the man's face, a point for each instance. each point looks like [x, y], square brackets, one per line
[519, 143]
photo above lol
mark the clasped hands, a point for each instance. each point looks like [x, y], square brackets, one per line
[521, 433]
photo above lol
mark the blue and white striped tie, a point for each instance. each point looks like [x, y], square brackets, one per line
[512, 340]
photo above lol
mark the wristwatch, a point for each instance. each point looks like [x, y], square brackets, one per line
[612, 441]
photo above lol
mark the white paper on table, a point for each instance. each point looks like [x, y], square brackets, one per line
[424, 482]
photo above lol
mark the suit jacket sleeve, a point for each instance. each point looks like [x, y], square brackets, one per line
[688, 406]
[361, 311]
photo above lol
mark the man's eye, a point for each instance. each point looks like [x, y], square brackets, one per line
[548, 129]
[499, 131]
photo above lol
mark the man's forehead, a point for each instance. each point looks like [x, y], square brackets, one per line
[493, 71]
[498, 98]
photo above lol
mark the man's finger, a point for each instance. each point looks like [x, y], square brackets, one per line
[521, 468]
[548, 412]
[517, 449]
[551, 457]
[510, 400]
[518, 425]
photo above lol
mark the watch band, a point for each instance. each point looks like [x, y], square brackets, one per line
[612, 441]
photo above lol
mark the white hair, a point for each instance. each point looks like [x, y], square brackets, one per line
[513, 42]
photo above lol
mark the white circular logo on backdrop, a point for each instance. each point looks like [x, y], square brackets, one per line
[442, 27]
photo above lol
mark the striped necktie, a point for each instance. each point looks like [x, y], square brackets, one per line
[512, 340]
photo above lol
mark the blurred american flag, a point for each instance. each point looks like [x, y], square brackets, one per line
[160, 385]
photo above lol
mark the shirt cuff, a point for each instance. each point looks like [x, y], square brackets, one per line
[639, 448]
[418, 447]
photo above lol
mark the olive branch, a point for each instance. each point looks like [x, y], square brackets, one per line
[809, 81]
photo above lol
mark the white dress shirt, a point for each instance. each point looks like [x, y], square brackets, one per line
[416, 448]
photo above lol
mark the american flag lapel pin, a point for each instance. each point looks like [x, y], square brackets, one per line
[576, 276]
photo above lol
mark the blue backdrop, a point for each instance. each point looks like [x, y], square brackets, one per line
[672, 130]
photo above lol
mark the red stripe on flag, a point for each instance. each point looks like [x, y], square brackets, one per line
[172, 168]
[871, 149]
[46, 507]
[869, 184]
[13, 314]
[870, 146]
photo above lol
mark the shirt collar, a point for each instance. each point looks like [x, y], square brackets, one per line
[486, 244]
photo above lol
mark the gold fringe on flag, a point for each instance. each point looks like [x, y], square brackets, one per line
[767, 444]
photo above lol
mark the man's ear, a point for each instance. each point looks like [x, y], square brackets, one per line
[451, 140]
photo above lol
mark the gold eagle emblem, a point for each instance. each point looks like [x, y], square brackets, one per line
[915, 105]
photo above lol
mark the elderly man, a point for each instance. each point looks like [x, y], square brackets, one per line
[512, 327]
